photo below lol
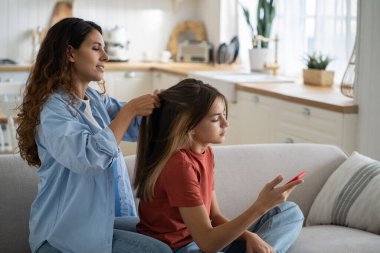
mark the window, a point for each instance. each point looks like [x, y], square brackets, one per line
[304, 26]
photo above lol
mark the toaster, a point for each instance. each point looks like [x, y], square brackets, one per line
[194, 51]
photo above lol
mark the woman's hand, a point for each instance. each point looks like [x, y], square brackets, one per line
[143, 105]
[270, 196]
[140, 106]
[254, 244]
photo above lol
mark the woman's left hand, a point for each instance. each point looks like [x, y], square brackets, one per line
[257, 245]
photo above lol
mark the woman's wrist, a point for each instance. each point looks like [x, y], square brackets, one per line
[129, 109]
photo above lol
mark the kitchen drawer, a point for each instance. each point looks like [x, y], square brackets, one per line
[162, 80]
[14, 76]
[308, 124]
[126, 85]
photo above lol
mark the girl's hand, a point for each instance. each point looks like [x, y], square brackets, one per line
[143, 105]
[270, 196]
[254, 244]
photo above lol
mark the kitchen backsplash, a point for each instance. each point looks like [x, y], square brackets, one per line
[148, 22]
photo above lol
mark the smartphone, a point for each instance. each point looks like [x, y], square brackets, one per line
[299, 176]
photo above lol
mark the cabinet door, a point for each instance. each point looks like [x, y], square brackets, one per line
[125, 85]
[309, 123]
[233, 125]
[162, 80]
[14, 76]
[306, 124]
[256, 116]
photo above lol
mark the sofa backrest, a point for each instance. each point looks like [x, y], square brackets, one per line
[242, 170]
[18, 188]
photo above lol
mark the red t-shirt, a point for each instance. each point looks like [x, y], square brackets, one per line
[187, 180]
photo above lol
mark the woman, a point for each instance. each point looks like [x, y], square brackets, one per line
[175, 181]
[71, 133]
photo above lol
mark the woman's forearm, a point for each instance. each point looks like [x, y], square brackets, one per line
[121, 122]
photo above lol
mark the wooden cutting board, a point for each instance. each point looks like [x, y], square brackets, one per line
[62, 9]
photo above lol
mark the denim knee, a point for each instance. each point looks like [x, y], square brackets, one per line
[292, 209]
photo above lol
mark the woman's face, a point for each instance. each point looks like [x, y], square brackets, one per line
[213, 127]
[88, 60]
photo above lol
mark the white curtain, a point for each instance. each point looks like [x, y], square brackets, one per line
[305, 26]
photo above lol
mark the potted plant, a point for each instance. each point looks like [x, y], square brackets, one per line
[264, 16]
[316, 73]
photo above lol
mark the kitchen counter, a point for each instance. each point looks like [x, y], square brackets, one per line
[329, 98]
[169, 67]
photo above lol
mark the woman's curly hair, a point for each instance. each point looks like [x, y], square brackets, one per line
[51, 71]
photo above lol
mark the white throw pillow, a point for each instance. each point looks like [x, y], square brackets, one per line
[350, 197]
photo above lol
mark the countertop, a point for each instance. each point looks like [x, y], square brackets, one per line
[169, 67]
[328, 98]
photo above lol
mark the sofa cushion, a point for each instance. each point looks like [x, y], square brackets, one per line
[351, 196]
[335, 239]
[18, 187]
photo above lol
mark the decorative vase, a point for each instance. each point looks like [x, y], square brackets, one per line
[318, 77]
[258, 57]
[347, 87]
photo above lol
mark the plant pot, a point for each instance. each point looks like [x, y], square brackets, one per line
[318, 77]
[257, 58]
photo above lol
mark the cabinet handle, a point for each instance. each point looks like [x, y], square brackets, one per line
[306, 111]
[8, 80]
[130, 74]
[256, 99]
[289, 140]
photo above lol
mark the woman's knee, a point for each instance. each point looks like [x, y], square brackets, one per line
[127, 223]
[126, 241]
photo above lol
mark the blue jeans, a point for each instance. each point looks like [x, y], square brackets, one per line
[125, 240]
[279, 227]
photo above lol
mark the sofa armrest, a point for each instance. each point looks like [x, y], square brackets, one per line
[18, 188]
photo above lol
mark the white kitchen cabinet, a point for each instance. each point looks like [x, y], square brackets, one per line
[124, 86]
[301, 123]
[14, 76]
[256, 117]
[164, 80]
[233, 123]
[264, 119]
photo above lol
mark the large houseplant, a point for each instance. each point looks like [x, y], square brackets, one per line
[265, 14]
[316, 73]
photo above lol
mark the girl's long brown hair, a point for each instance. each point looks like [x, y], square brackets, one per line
[51, 71]
[168, 128]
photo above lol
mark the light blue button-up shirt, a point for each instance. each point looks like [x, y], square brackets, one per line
[74, 207]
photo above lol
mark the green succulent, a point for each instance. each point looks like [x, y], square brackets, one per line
[317, 61]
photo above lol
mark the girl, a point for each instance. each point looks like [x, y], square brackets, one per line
[71, 133]
[175, 181]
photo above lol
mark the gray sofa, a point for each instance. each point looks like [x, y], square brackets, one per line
[240, 173]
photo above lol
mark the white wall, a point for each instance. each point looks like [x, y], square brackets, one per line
[148, 22]
[368, 78]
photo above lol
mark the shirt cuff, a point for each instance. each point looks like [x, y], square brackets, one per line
[106, 142]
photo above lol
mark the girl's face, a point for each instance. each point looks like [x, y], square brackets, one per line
[88, 60]
[213, 127]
